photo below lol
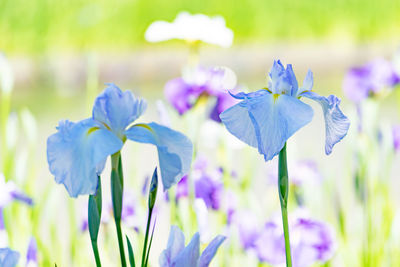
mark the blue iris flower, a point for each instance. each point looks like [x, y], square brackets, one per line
[8, 257]
[78, 151]
[177, 255]
[265, 119]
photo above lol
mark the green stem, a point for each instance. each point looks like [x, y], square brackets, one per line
[283, 187]
[96, 253]
[94, 220]
[117, 187]
[146, 238]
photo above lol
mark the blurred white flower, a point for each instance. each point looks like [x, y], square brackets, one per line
[6, 75]
[197, 27]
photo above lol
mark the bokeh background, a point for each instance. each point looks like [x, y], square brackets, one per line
[63, 52]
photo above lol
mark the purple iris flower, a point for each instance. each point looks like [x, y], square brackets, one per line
[312, 242]
[184, 92]
[396, 137]
[208, 184]
[361, 82]
[31, 255]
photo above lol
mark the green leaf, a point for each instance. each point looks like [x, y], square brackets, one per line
[130, 252]
[94, 212]
[153, 189]
[151, 241]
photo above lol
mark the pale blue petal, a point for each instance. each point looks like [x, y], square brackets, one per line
[292, 78]
[174, 149]
[176, 243]
[8, 257]
[210, 251]
[189, 255]
[243, 95]
[267, 122]
[77, 152]
[117, 109]
[336, 123]
[308, 83]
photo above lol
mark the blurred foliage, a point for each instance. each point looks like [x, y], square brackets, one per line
[42, 25]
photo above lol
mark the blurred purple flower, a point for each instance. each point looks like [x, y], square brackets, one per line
[361, 82]
[182, 189]
[396, 137]
[184, 92]
[9, 192]
[31, 255]
[301, 172]
[208, 184]
[248, 228]
[311, 241]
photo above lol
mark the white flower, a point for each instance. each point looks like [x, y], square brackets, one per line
[197, 27]
[6, 75]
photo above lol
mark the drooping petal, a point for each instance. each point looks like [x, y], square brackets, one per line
[189, 255]
[336, 123]
[210, 251]
[117, 109]
[176, 243]
[174, 149]
[8, 257]
[75, 152]
[267, 122]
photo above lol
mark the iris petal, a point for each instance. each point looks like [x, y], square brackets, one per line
[307, 83]
[117, 109]
[267, 121]
[176, 243]
[209, 253]
[336, 123]
[77, 152]
[292, 78]
[8, 257]
[174, 149]
[190, 254]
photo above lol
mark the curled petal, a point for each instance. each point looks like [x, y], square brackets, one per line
[190, 254]
[77, 152]
[174, 149]
[267, 121]
[117, 109]
[176, 243]
[8, 257]
[336, 123]
[210, 251]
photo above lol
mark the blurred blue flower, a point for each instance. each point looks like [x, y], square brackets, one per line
[78, 151]
[177, 255]
[8, 257]
[364, 81]
[265, 119]
[311, 241]
[186, 91]
[31, 255]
